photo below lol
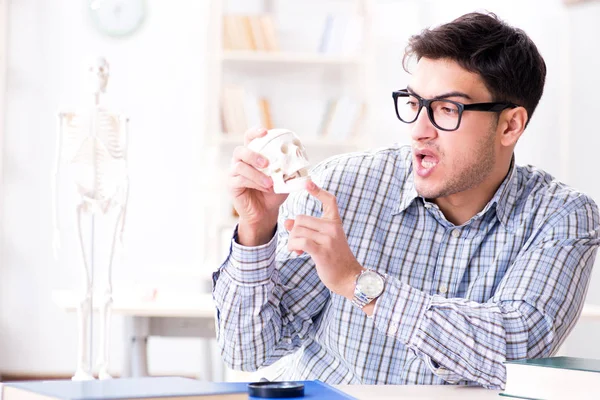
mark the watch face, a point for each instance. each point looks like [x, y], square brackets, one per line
[370, 283]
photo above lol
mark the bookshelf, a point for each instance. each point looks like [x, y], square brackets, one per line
[309, 143]
[244, 56]
[262, 68]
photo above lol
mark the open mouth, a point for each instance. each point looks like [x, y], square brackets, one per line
[301, 173]
[427, 161]
[427, 158]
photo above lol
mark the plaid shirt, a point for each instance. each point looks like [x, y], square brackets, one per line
[459, 300]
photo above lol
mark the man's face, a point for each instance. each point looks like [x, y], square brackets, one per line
[454, 161]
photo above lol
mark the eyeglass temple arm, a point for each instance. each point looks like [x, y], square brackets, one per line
[490, 106]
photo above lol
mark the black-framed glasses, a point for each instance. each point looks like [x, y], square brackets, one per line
[443, 114]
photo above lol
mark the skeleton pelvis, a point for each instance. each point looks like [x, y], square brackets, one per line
[101, 188]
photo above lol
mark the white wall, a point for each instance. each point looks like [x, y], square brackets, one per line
[158, 78]
[584, 142]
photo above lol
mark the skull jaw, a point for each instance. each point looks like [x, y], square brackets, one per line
[298, 166]
[293, 185]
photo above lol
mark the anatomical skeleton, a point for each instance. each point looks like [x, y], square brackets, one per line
[92, 145]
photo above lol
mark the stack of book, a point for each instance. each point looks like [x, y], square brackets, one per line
[241, 110]
[249, 32]
[341, 35]
[553, 378]
[342, 118]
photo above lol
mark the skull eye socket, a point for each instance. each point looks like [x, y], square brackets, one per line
[297, 142]
[284, 148]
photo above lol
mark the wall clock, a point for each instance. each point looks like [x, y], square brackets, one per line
[117, 18]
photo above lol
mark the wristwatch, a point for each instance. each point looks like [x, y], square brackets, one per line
[369, 286]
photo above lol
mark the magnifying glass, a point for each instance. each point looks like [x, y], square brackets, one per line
[270, 390]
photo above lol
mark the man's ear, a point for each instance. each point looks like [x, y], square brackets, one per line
[513, 123]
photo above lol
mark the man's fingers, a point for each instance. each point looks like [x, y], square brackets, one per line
[240, 183]
[302, 244]
[330, 208]
[288, 224]
[246, 171]
[318, 224]
[253, 133]
[244, 154]
[302, 232]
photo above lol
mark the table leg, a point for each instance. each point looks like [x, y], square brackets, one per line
[207, 364]
[128, 348]
[136, 347]
[218, 366]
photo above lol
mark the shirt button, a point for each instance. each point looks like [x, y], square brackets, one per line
[394, 329]
[443, 289]
[427, 205]
[456, 233]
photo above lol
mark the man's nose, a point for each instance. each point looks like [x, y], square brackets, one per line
[422, 128]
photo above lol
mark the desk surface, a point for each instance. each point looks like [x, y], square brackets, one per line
[421, 392]
[590, 312]
[167, 304]
[177, 304]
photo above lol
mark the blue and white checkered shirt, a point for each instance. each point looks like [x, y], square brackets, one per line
[458, 301]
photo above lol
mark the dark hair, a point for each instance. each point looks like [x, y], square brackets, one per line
[505, 57]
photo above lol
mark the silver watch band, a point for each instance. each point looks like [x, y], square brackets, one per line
[360, 299]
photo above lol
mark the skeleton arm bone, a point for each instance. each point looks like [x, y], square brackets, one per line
[54, 183]
[124, 122]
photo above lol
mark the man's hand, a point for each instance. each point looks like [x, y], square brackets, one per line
[324, 239]
[252, 191]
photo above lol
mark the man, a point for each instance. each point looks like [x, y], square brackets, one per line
[470, 259]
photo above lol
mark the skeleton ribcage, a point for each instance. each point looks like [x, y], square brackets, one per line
[94, 148]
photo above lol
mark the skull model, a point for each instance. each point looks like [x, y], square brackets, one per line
[98, 73]
[288, 163]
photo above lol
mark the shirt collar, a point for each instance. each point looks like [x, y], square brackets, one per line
[408, 192]
[506, 195]
[503, 200]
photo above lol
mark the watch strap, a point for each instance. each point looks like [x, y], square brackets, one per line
[360, 299]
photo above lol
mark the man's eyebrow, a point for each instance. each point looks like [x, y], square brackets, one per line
[444, 95]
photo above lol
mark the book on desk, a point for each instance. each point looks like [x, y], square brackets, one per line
[148, 388]
[553, 378]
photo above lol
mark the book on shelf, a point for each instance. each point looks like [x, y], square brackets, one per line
[342, 118]
[233, 109]
[124, 388]
[270, 32]
[553, 378]
[164, 388]
[341, 34]
[249, 32]
[241, 110]
[266, 118]
[257, 32]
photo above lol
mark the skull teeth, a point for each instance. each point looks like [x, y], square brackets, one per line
[293, 176]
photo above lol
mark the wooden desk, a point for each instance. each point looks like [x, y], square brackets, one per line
[176, 314]
[421, 392]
